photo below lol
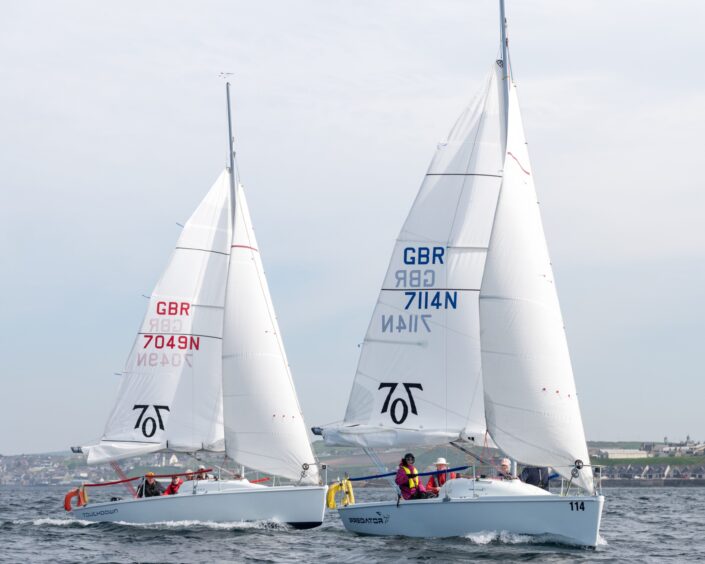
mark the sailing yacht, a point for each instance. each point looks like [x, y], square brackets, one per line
[208, 373]
[466, 343]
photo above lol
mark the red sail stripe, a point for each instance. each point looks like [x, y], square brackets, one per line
[517, 160]
[245, 247]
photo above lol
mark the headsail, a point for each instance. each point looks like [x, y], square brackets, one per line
[264, 427]
[170, 395]
[530, 398]
[418, 378]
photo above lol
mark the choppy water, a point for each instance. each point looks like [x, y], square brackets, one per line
[639, 525]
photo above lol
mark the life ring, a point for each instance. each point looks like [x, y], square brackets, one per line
[80, 493]
[344, 486]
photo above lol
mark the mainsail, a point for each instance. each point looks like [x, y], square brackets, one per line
[208, 369]
[530, 399]
[467, 333]
[170, 395]
[264, 427]
[418, 379]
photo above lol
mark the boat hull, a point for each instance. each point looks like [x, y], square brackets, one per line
[566, 519]
[301, 507]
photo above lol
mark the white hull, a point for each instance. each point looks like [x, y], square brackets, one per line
[301, 507]
[499, 506]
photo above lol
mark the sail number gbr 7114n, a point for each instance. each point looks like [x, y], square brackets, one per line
[417, 280]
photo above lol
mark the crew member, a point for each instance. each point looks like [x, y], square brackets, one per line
[408, 479]
[150, 487]
[536, 476]
[505, 472]
[173, 488]
[439, 477]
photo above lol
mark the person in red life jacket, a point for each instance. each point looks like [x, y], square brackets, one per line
[173, 488]
[408, 479]
[439, 477]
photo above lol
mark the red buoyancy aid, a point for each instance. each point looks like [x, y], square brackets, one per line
[441, 479]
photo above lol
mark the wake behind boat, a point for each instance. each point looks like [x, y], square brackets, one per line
[467, 341]
[208, 373]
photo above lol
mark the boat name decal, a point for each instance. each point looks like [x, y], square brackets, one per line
[99, 513]
[380, 520]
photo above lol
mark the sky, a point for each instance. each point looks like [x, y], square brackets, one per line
[112, 128]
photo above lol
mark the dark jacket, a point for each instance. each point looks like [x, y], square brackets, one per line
[150, 490]
[535, 476]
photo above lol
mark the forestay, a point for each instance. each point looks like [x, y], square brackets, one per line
[170, 395]
[264, 427]
[418, 379]
[530, 399]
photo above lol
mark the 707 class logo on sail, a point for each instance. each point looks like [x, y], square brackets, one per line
[419, 294]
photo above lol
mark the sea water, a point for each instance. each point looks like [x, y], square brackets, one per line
[639, 525]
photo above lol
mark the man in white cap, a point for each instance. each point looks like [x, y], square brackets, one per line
[439, 477]
[505, 469]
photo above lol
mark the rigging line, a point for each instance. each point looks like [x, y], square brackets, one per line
[430, 289]
[202, 250]
[473, 455]
[463, 174]
[182, 334]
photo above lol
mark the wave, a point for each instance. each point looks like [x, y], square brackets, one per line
[52, 522]
[190, 524]
[501, 537]
[229, 526]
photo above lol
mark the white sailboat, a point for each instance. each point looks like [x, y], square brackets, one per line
[208, 372]
[467, 340]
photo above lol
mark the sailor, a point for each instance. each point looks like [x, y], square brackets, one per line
[505, 471]
[439, 477]
[536, 476]
[173, 488]
[408, 479]
[150, 487]
[201, 474]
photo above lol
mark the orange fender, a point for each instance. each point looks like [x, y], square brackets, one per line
[80, 493]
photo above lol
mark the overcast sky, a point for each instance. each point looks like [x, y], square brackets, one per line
[112, 128]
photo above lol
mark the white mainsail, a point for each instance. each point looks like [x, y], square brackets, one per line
[469, 309]
[170, 395]
[530, 399]
[264, 426]
[208, 369]
[418, 379]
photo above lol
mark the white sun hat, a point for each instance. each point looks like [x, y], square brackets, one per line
[440, 460]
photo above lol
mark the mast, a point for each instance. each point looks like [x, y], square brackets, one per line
[505, 59]
[231, 153]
